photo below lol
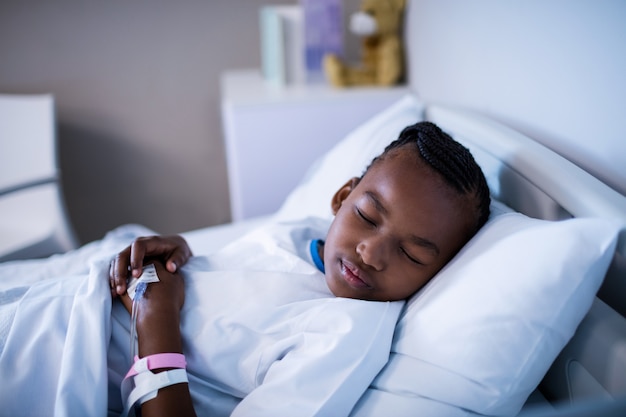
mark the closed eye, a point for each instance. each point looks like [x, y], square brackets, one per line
[411, 258]
[364, 217]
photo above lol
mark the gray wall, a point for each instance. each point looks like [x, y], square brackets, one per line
[554, 70]
[137, 93]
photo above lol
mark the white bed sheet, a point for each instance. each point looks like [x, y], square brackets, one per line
[207, 240]
[257, 317]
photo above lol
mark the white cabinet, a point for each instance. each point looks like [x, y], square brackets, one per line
[273, 134]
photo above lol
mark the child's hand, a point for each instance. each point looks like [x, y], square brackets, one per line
[173, 251]
[166, 295]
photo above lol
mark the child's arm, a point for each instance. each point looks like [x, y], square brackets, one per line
[158, 331]
[173, 251]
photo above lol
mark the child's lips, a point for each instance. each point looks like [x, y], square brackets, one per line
[353, 275]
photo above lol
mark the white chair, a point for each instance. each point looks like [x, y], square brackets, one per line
[33, 219]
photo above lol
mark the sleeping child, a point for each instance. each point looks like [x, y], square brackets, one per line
[295, 318]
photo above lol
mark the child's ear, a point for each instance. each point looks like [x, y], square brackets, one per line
[343, 193]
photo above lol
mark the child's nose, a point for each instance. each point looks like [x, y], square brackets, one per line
[373, 252]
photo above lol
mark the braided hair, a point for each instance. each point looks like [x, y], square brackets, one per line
[450, 159]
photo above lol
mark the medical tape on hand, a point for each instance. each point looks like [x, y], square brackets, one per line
[147, 386]
[148, 275]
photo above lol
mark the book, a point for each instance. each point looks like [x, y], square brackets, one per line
[323, 33]
[282, 44]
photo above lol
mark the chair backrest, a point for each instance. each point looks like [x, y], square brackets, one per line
[33, 220]
[27, 141]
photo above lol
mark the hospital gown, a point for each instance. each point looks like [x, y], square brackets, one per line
[262, 334]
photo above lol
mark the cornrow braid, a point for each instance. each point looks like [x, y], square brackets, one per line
[453, 161]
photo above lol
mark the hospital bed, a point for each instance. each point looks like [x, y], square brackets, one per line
[585, 375]
[529, 319]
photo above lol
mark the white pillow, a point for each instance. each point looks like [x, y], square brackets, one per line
[482, 334]
[348, 159]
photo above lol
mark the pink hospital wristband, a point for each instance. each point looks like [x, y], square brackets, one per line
[156, 361]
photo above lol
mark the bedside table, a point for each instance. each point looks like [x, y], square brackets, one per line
[273, 134]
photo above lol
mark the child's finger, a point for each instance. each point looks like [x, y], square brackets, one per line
[119, 272]
[180, 256]
[171, 265]
[137, 254]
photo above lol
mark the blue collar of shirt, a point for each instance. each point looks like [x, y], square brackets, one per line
[315, 254]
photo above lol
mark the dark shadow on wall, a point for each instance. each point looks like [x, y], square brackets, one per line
[108, 181]
[95, 173]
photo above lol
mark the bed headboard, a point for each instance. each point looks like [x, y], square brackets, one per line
[537, 183]
[553, 70]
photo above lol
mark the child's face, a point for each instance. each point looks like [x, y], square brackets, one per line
[393, 230]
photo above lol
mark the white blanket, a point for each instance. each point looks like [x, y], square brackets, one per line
[258, 323]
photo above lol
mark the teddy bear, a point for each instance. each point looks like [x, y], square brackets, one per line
[379, 23]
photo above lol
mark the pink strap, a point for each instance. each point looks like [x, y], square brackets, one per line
[159, 360]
